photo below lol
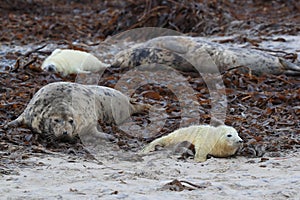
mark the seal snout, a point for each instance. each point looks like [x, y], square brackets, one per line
[65, 133]
[50, 68]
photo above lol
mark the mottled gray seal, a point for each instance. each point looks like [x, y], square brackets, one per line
[194, 54]
[64, 110]
[221, 141]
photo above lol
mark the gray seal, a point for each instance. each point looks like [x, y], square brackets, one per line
[63, 110]
[193, 54]
[220, 141]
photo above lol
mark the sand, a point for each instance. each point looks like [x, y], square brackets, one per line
[61, 176]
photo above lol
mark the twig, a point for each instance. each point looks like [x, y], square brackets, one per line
[265, 101]
[281, 79]
[34, 50]
[270, 50]
[29, 63]
[17, 65]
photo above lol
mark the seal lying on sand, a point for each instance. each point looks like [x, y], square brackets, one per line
[63, 110]
[68, 61]
[198, 55]
[221, 141]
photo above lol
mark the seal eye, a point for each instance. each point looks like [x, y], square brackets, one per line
[56, 120]
[71, 121]
[229, 135]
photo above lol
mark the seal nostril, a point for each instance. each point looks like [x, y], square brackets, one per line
[51, 68]
[65, 133]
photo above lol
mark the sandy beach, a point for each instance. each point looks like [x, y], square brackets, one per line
[67, 177]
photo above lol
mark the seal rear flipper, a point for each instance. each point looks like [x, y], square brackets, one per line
[15, 123]
[148, 148]
[137, 107]
[289, 68]
[152, 145]
[292, 73]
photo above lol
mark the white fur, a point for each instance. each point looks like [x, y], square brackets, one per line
[221, 141]
[67, 61]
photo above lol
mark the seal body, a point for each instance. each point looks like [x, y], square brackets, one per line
[68, 61]
[196, 54]
[65, 110]
[221, 141]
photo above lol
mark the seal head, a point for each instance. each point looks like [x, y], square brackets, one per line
[228, 143]
[60, 125]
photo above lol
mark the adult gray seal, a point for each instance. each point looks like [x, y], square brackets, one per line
[64, 110]
[194, 54]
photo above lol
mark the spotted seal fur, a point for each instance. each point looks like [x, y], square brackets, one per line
[195, 54]
[64, 110]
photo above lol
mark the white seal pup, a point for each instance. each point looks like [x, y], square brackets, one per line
[68, 61]
[221, 141]
[194, 54]
[63, 110]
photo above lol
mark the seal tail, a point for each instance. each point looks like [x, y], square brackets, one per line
[291, 68]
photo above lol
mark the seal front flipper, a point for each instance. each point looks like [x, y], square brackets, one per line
[201, 155]
[202, 150]
[102, 135]
[94, 135]
[80, 71]
[200, 158]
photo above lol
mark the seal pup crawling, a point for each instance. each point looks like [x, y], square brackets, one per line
[221, 141]
[68, 61]
[63, 110]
